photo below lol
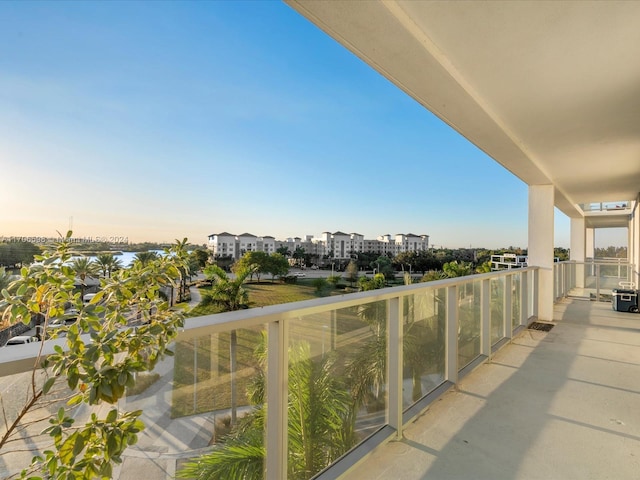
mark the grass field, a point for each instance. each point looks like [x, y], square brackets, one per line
[263, 294]
[202, 380]
[210, 371]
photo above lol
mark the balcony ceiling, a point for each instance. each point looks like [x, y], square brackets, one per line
[550, 90]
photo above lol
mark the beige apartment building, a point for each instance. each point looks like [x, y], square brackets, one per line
[337, 245]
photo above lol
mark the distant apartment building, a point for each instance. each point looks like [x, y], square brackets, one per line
[337, 245]
[507, 261]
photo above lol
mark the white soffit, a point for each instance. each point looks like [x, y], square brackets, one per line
[550, 90]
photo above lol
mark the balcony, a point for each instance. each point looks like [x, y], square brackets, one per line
[561, 404]
[514, 390]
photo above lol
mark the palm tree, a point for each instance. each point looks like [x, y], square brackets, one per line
[189, 268]
[230, 295]
[5, 279]
[423, 347]
[319, 419]
[299, 255]
[367, 369]
[457, 269]
[108, 264]
[84, 267]
[145, 257]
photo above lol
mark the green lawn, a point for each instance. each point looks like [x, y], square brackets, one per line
[202, 381]
[263, 294]
[210, 373]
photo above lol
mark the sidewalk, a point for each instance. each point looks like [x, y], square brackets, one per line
[164, 441]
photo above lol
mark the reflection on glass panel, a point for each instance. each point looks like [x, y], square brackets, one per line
[469, 314]
[337, 384]
[219, 380]
[590, 275]
[424, 344]
[515, 300]
[611, 276]
[25, 416]
[497, 309]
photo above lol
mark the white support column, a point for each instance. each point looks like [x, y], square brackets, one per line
[590, 243]
[578, 248]
[541, 204]
[590, 251]
[634, 243]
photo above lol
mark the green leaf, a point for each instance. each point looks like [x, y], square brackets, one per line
[48, 384]
[97, 297]
[112, 445]
[79, 445]
[112, 416]
[75, 400]
[93, 394]
[72, 379]
[123, 377]
[67, 448]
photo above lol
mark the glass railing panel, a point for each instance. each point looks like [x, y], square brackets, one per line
[496, 286]
[337, 384]
[515, 300]
[424, 344]
[469, 322]
[27, 439]
[590, 275]
[219, 382]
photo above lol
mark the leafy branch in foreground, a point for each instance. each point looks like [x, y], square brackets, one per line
[101, 354]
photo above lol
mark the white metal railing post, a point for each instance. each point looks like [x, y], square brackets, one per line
[277, 393]
[451, 367]
[597, 282]
[508, 308]
[485, 318]
[394, 365]
[524, 298]
[536, 282]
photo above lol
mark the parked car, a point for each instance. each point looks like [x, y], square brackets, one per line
[21, 340]
[69, 318]
[87, 298]
[299, 274]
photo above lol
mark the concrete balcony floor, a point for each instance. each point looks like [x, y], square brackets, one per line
[558, 405]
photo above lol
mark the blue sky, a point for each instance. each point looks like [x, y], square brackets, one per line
[155, 121]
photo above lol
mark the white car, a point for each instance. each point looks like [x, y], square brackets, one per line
[87, 298]
[299, 274]
[21, 340]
